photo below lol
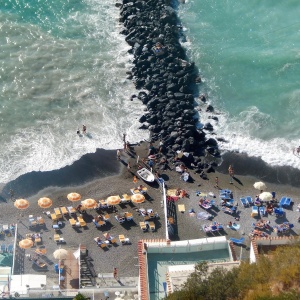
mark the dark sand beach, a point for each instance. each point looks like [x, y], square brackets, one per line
[111, 177]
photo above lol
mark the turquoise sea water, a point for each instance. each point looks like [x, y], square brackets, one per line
[63, 64]
[248, 53]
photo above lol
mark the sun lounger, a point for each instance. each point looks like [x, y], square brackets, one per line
[64, 211]
[128, 216]
[244, 202]
[71, 210]
[254, 212]
[143, 226]
[285, 201]
[40, 251]
[53, 217]
[205, 205]
[262, 211]
[282, 201]
[279, 212]
[152, 226]
[237, 241]
[40, 220]
[82, 222]
[123, 239]
[10, 248]
[249, 200]
[181, 208]
[72, 222]
[39, 264]
[58, 213]
[229, 210]
[3, 248]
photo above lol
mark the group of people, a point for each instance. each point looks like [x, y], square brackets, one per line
[83, 130]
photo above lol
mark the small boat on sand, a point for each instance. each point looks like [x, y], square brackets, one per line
[146, 175]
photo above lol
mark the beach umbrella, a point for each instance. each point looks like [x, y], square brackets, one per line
[137, 198]
[21, 204]
[60, 254]
[265, 196]
[113, 200]
[89, 203]
[44, 202]
[74, 197]
[26, 243]
[260, 186]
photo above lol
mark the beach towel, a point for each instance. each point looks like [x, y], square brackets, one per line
[234, 226]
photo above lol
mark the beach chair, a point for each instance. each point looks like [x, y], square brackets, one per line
[56, 237]
[249, 200]
[3, 248]
[101, 223]
[237, 241]
[71, 210]
[262, 211]
[72, 222]
[106, 217]
[206, 228]
[125, 198]
[287, 202]
[54, 217]
[123, 240]
[40, 221]
[82, 222]
[128, 216]
[57, 213]
[64, 211]
[41, 251]
[244, 202]
[143, 226]
[282, 201]
[279, 212]
[152, 226]
[181, 208]
[254, 212]
[10, 248]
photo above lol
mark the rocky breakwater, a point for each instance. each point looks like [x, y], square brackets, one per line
[166, 80]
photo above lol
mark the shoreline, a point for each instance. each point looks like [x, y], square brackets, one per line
[93, 167]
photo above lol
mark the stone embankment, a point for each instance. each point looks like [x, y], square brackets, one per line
[166, 80]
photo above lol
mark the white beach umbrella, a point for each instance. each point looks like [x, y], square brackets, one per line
[260, 185]
[265, 196]
[60, 254]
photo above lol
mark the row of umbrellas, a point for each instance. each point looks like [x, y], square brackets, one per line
[45, 202]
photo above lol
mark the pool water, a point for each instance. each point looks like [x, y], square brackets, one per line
[158, 266]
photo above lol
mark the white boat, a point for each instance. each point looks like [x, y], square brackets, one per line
[146, 175]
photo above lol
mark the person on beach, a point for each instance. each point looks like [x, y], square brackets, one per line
[116, 273]
[124, 138]
[128, 166]
[83, 129]
[118, 154]
[217, 183]
[231, 173]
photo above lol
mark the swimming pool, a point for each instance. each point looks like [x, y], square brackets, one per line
[159, 258]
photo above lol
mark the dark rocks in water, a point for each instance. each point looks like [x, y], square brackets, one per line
[161, 69]
[211, 142]
[208, 126]
[209, 108]
[213, 118]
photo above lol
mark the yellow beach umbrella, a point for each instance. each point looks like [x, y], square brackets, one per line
[89, 203]
[26, 243]
[44, 202]
[113, 200]
[21, 204]
[74, 197]
[137, 198]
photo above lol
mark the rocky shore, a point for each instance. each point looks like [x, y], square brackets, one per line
[167, 81]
